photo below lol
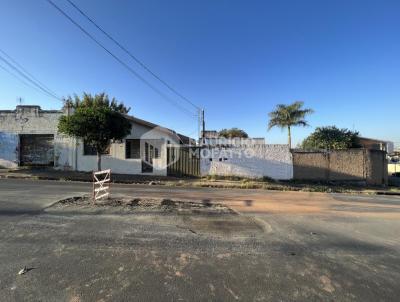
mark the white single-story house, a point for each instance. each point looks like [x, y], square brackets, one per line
[29, 136]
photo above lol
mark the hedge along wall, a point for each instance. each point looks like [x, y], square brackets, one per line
[274, 161]
[358, 165]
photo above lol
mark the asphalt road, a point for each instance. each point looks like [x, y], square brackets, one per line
[281, 246]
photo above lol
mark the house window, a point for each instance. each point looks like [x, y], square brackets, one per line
[156, 153]
[132, 148]
[151, 153]
[90, 150]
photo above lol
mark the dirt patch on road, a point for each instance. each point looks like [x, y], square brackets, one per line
[128, 204]
[201, 217]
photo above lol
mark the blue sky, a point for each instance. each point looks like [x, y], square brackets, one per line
[237, 59]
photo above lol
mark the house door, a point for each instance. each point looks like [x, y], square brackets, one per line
[147, 158]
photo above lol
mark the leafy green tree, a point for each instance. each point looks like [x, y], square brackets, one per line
[232, 133]
[288, 116]
[331, 138]
[96, 120]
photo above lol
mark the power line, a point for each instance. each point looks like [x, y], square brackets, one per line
[132, 56]
[19, 79]
[29, 79]
[28, 73]
[120, 61]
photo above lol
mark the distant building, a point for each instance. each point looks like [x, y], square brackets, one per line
[209, 134]
[376, 144]
[186, 140]
[211, 138]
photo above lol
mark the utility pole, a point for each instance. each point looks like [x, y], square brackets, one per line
[199, 124]
[202, 125]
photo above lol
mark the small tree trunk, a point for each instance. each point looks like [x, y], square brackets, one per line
[289, 138]
[98, 161]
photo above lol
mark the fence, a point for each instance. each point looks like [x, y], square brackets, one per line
[101, 184]
[183, 161]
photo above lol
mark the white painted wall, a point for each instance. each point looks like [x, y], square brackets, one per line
[393, 168]
[273, 161]
[64, 152]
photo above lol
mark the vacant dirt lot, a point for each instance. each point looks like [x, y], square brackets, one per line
[200, 245]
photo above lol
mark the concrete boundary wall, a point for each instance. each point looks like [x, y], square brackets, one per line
[274, 161]
[8, 150]
[355, 165]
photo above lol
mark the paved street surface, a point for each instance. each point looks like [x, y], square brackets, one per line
[274, 246]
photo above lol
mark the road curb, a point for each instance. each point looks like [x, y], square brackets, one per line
[216, 186]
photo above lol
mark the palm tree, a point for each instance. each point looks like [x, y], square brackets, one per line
[287, 116]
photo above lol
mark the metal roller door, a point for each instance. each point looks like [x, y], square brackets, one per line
[36, 149]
